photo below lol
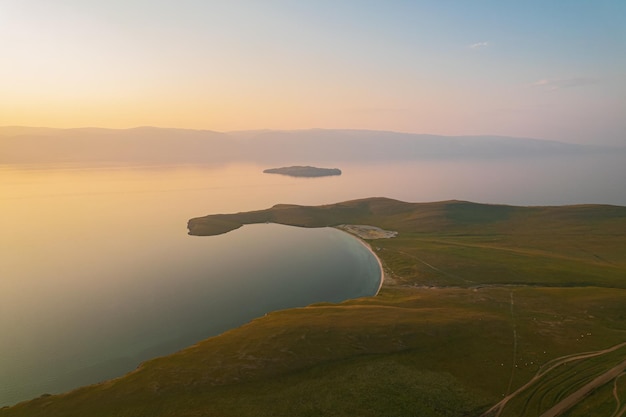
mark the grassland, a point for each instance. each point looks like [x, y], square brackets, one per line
[487, 310]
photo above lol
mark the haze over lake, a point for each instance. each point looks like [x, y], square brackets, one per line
[98, 272]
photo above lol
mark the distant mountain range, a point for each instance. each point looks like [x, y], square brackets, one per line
[149, 145]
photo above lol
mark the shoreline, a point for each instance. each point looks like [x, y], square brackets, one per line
[369, 248]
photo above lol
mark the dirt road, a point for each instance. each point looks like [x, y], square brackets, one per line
[496, 410]
[577, 396]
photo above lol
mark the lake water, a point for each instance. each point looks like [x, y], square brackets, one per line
[97, 272]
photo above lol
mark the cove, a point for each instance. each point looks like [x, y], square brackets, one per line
[103, 322]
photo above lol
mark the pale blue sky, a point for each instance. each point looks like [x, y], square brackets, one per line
[547, 69]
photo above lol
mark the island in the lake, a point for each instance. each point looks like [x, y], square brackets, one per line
[304, 171]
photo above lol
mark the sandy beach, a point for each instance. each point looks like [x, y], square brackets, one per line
[362, 232]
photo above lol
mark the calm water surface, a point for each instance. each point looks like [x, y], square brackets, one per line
[97, 272]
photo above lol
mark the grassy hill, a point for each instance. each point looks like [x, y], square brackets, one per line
[470, 243]
[483, 306]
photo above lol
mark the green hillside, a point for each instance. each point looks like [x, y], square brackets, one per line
[486, 309]
[468, 243]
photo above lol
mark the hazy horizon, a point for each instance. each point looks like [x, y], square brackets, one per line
[23, 145]
[14, 130]
[531, 69]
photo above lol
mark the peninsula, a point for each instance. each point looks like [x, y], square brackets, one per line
[304, 171]
[486, 310]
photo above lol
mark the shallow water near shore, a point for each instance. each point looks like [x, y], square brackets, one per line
[97, 271]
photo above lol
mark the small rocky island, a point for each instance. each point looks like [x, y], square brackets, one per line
[304, 171]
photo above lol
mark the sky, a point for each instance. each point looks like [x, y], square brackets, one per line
[551, 69]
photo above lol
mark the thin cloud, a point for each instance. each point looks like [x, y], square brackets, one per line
[559, 83]
[479, 45]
